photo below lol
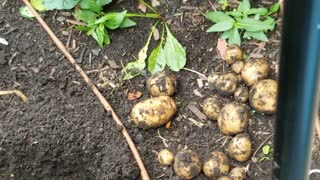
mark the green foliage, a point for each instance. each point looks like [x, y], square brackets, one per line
[25, 12]
[252, 22]
[266, 149]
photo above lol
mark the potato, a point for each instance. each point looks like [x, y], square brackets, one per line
[233, 53]
[237, 67]
[240, 147]
[212, 78]
[212, 107]
[165, 157]
[233, 118]
[153, 112]
[162, 84]
[226, 84]
[263, 96]
[242, 94]
[187, 164]
[217, 165]
[224, 178]
[238, 173]
[255, 70]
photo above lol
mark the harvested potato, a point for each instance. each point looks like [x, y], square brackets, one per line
[217, 165]
[187, 164]
[255, 70]
[212, 78]
[233, 53]
[226, 84]
[238, 173]
[233, 118]
[240, 147]
[162, 84]
[237, 67]
[153, 112]
[224, 178]
[211, 107]
[242, 94]
[165, 157]
[263, 96]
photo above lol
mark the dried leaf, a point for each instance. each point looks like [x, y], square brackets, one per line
[134, 95]
[142, 7]
[222, 46]
[155, 3]
[169, 125]
[156, 34]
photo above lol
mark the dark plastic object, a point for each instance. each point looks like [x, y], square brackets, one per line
[298, 91]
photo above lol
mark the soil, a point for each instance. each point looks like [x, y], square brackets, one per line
[62, 132]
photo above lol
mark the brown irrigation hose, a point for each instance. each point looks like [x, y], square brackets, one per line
[103, 101]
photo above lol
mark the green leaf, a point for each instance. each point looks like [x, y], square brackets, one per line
[266, 149]
[86, 15]
[25, 12]
[234, 13]
[38, 5]
[274, 8]
[250, 24]
[244, 6]
[134, 68]
[83, 28]
[174, 52]
[225, 34]
[127, 22]
[100, 34]
[218, 17]
[234, 37]
[260, 11]
[60, 4]
[157, 59]
[90, 5]
[103, 2]
[259, 35]
[115, 22]
[221, 26]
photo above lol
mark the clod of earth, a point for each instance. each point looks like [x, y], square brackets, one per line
[216, 165]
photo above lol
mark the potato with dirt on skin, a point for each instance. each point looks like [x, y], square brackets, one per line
[216, 165]
[226, 84]
[240, 147]
[162, 84]
[212, 78]
[233, 53]
[233, 118]
[166, 157]
[154, 112]
[212, 107]
[242, 94]
[238, 173]
[263, 96]
[187, 164]
[224, 178]
[255, 70]
[237, 67]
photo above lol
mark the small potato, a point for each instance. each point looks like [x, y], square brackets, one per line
[217, 165]
[263, 96]
[233, 53]
[255, 70]
[233, 118]
[162, 84]
[240, 147]
[212, 107]
[238, 173]
[242, 94]
[165, 157]
[237, 67]
[212, 78]
[226, 84]
[154, 112]
[187, 164]
[224, 178]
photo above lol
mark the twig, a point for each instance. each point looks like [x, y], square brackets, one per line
[202, 75]
[76, 22]
[261, 145]
[318, 126]
[103, 101]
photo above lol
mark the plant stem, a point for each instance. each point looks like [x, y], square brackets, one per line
[148, 15]
[150, 7]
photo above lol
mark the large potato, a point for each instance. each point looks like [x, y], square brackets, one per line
[255, 70]
[187, 164]
[216, 165]
[226, 84]
[240, 147]
[211, 107]
[233, 118]
[263, 96]
[233, 53]
[162, 84]
[153, 112]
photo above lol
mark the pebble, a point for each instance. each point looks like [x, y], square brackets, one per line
[61, 18]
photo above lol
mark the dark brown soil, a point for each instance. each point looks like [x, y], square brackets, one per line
[62, 132]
